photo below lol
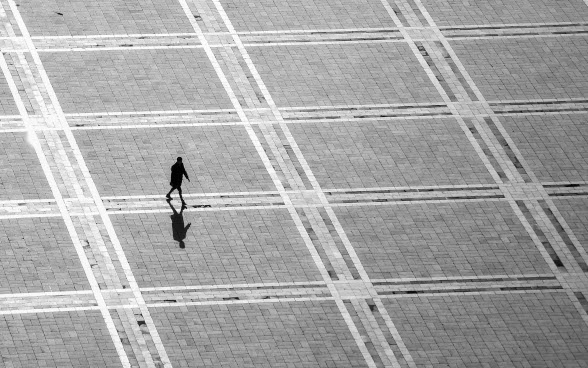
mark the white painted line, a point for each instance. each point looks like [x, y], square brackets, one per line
[33, 140]
[104, 216]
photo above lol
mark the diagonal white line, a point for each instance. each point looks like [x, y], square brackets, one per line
[96, 196]
[34, 141]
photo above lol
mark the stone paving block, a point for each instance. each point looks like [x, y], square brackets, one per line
[514, 330]
[338, 74]
[21, 174]
[391, 153]
[221, 247]
[138, 162]
[527, 68]
[7, 104]
[440, 239]
[135, 80]
[575, 213]
[37, 255]
[63, 339]
[79, 17]
[269, 15]
[457, 12]
[554, 146]
[298, 334]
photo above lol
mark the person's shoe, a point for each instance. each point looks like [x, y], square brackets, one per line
[168, 198]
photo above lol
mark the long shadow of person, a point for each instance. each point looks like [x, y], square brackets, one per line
[179, 231]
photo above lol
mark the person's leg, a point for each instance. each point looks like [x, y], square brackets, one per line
[180, 192]
[168, 195]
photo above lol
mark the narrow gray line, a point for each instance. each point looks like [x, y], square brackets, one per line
[541, 235]
[562, 233]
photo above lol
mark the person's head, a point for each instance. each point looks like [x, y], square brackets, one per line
[179, 159]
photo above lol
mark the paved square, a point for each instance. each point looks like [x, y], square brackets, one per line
[383, 154]
[220, 248]
[135, 80]
[63, 339]
[511, 330]
[298, 334]
[269, 15]
[343, 74]
[131, 162]
[103, 17]
[22, 174]
[519, 69]
[458, 13]
[555, 147]
[441, 240]
[39, 257]
[373, 183]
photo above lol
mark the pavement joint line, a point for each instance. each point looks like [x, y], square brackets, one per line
[488, 292]
[34, 141]
[374, 332]
[539, 215]
[486, 138]
[296, 31]
[443, 94]
[278, 184]
[551, 234]
[508, 140]
[498, 124]
[342, 119]
[344, 113]
[108, 225]
[289, 285]
[285, 298]
[50, 310]
[146, 207]
[566, 227]
[306, 168]
[254, 138]
[368, 37]
[422, 193]
[464, 74]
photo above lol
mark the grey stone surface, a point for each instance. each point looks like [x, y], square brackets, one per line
[135, 80]
[364, 191]
[268, 15]
[398, 153]
[63, 339]
[478, 12]
[134, 162]
[108, 17]
[298, 334]
[575, 213]
[555, 147]
[221, 248]
[527, 68]
[516, 330]
[436, 240]
[355, 74]
[38, 255]
[22, 175]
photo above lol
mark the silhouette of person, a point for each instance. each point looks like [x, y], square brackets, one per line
[178, 229]
[177, 174]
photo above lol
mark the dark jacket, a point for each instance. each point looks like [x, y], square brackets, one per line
[177, 173]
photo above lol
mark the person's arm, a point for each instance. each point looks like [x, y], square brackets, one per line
[185, 173]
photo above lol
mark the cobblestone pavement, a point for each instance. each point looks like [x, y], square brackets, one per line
[375, 183]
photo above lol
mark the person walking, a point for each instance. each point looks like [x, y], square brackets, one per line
[177, 174]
